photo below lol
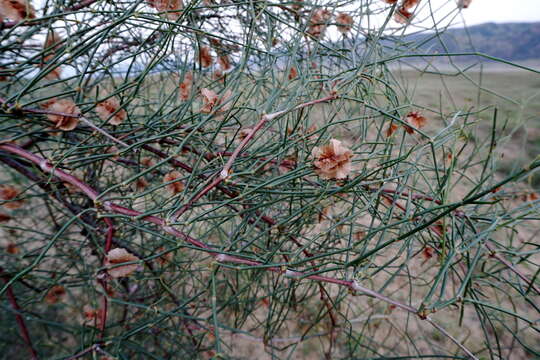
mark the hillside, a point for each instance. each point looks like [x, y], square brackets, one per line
[509, 41]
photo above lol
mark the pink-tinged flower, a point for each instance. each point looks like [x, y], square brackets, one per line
[463, 4]
[118, 256]
[50, 46]
[92, 316]
[532, 196]
[391, 129]
[332, 161]
[409, 4]
[12, 249]
[110, 110]
[415, 119]
[344, 22]
[55, 294]
[402, 15]
[224, 62]
[185, 86]
[66, 106]
[293, 73]
[141, 184]
[318, 22]
[148, 161]
[16, 10]
[205, 58]
[218, 75]
[171, 8]
[8, 193]
[174, 185]
[212, 101]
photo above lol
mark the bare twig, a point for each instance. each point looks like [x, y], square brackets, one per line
[20, 319]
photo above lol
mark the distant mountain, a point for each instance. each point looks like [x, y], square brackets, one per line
[509, 41]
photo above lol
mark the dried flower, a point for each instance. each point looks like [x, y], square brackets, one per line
[141, 184]
[148, 161]
[55, 294]
[8, 193]
[16, 10]
[402, 15]
[390, 1]
[409, 4]
[165, 258]
[92, 316]
[293, 73]
[51, 45]
[224, 62]
[344, 22]
[439, 228]
[449, 158]
[532, 196]
[65, 106]
[205, 58]
[215, 42]
[4, 218]
[171, 8]
[463, 4]
[119, 256]
[110, 110]
[332, 161]
[174, 185]
[12, 249]
[359, 235]
[415, 119]
[218, 75]
[211, 101]
[427, 252]
[318, 22]
[185, 86]
[391, 129]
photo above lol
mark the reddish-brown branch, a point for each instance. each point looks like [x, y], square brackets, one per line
[221, 258]
[109, 206]
[18, 317]
[268, 220]
[103, 281]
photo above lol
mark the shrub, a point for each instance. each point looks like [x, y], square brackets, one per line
[215, 179]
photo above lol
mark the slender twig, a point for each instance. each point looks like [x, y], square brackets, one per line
[220, 257]
[508, 264]
[448, 335]
[18, 317]
[102, 132]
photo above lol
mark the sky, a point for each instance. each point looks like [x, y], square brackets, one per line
[482, 11]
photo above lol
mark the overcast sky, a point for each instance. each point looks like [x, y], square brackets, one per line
[481, 11]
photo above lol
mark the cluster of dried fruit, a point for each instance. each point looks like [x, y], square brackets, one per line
[413, 118]
[320, 19]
